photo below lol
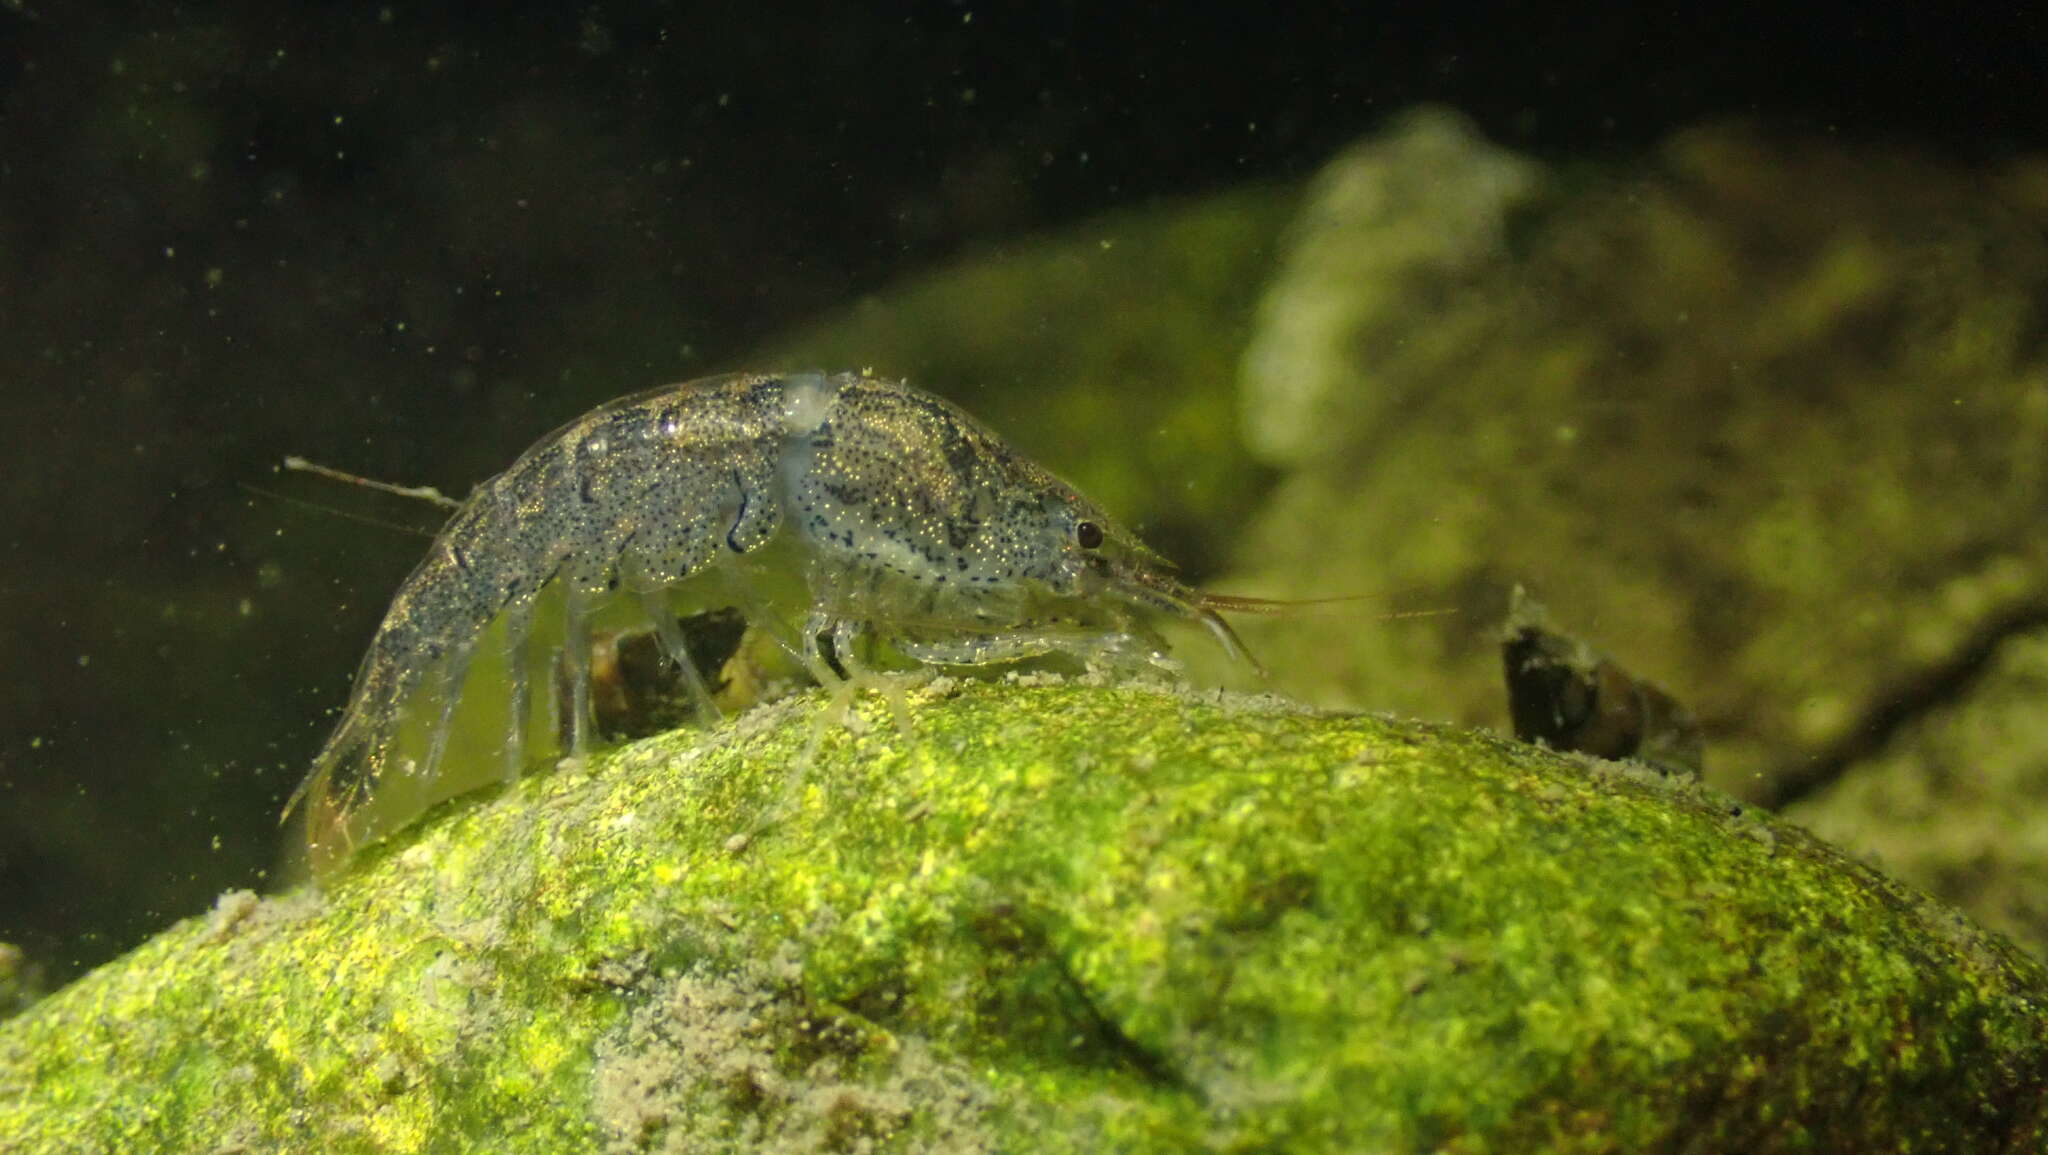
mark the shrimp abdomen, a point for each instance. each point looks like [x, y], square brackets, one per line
[644, 493]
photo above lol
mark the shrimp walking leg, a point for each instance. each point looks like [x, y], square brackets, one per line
[454, 669]
[846, 636]
[576, 667]
[1123, 651]
[518, 623]
[678, 650]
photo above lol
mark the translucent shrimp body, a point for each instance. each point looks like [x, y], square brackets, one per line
[840, 507]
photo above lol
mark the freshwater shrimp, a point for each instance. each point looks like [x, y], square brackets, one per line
[869, 511]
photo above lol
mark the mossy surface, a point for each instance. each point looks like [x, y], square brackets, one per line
[1060, 918]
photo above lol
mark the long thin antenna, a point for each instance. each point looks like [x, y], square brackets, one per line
[425, 493]
[1233, 604]
[345, 515]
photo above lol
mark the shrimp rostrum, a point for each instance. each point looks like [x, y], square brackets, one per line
[842, 514]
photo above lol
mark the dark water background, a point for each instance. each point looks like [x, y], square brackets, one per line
[409, 239]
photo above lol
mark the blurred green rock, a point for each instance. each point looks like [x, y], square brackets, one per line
[1062, 917]
[21, 981]
[1767, 420]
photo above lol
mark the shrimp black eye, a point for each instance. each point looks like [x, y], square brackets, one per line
[1088, 535]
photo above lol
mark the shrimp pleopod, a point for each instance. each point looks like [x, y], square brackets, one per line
[838, 511]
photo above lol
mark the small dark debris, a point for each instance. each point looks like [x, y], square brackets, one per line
[1565, 695]
[636, 691]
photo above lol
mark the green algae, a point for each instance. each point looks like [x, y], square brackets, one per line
[1062, 917]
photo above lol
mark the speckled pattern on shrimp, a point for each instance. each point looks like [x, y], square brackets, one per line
[905, 523]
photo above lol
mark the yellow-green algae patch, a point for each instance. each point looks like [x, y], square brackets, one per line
[1061, 918]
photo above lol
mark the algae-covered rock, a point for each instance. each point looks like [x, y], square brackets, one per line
[1061, 917]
